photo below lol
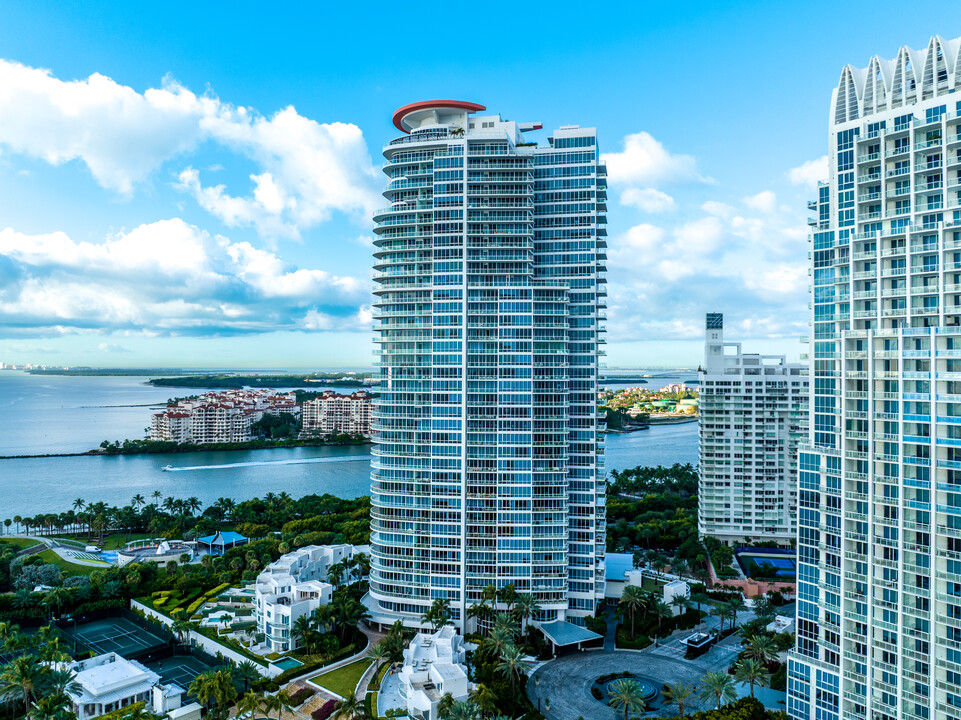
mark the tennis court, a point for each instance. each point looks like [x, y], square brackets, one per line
[179, 669]
[117, 635]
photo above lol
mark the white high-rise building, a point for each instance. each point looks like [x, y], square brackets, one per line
[879, 517]
[752, 416]
[489, 297]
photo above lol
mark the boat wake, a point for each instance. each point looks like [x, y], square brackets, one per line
[302, 461]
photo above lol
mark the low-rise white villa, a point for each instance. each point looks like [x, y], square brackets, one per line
[109, 682]
[434, 665]
[294, 585]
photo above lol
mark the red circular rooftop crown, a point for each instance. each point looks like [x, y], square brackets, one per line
[425, 104]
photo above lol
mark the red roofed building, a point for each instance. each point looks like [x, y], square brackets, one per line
[219, 417]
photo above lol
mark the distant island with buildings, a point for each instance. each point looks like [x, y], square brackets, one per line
[637, 408]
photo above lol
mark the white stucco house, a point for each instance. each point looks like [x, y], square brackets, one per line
[434, 665]
[293, 586]
[109, 682]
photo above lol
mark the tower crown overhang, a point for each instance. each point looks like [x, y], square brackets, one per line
[417, 114]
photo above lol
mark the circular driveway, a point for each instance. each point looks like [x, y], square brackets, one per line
[567, 680]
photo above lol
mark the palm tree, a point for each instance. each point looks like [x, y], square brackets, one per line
[526, 609]
[512, 665]
[57, 596]
[350, 708]
[138, 501]
[677, 694]
[484, 698]
[736, 605]
[699, 599]
[682, 603]
[661, 610]
[632, 600]
[438, 614]
[181, 626]
[303, 632]
[247, 672]
[494, 645]
[21, 676]
[380, 654]
[762, 648]
[60, 682]
[156, 495]
[462, 711]
[445, 704]
[505, 621]
[250, 702]
[718, 686]
[281, 702]
[626, 695]
[753, 673]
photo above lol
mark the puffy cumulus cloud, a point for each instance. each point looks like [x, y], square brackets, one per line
[810, 172]
[765, 201]
[308, 169]
[645, 161]
[746, 260]
[166, 278]
[647, 199]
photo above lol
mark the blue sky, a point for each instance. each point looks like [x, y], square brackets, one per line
[190, 184]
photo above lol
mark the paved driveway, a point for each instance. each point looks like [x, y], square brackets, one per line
[567, 681]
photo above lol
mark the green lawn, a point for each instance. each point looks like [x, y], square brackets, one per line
[19, 542]
[343, 681]
[51, 558]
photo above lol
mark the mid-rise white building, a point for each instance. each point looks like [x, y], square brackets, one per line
[294, 585]
[879, 519]
[110, 682]
[753, 415]
[489, 296]
[332, 413]
[434, 666]
[219, 417]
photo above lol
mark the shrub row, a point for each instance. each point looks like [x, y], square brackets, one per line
[195, 605]
[324, 711]
[301, 696]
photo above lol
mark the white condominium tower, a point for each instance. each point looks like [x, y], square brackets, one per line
[752, 410]
[490, 288]
[879, 516]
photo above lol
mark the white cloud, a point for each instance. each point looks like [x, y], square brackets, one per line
[647, 199]
[765, 201]
[167, 277]
[810, 172]
[307, 169]
[112, 348]
[713, 207]
[749, 266]
[645, 161]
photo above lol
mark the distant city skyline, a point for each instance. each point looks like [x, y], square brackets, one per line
[181, 186]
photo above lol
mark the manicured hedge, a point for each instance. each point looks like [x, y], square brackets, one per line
[324, 711]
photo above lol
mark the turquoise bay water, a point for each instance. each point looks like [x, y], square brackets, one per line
[72, 414]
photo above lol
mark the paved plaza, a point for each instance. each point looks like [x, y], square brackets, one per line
[567, 681]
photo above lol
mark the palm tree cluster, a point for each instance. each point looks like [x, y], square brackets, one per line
[216, 690]
[32, 676]
[500, 668]
[172, 516]
[329, 627]
[522, 607]
[716, 688]
[636, 600]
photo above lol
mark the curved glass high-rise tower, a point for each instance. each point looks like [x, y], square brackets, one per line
[489, 289]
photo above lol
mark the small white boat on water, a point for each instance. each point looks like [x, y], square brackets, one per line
[165, 468]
